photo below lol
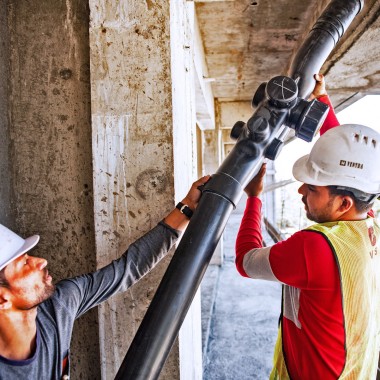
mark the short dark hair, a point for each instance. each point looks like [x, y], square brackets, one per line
[3, 281]
[361, 206]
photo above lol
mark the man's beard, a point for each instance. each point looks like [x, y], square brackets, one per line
[44, 295]
[48, 292]
[323, 216]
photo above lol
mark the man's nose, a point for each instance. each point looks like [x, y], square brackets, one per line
[302, 189]
[38, 262]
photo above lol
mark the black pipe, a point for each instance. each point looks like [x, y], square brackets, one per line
[322, 38]
[164, 317]
[256, 140]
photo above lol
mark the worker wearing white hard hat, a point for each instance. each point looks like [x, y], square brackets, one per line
[37, 317]
[330, 272]
[346, 156]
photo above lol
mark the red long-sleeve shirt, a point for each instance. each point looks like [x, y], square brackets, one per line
[312, 328]
[331, 119]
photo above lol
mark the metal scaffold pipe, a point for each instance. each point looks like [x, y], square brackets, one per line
[282, 105]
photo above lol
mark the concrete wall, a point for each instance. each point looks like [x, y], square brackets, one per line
[5, 180]
[182, 25]
[50, 139]
[141, 135]
[89, 165]
[133, 158]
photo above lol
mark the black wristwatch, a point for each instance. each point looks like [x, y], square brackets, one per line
[185, 209]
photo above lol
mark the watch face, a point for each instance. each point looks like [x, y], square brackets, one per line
[282, 90]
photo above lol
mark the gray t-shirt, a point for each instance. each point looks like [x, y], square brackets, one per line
[73, 297]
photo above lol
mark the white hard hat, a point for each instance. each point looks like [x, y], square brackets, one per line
[346, 156]
[13, 246]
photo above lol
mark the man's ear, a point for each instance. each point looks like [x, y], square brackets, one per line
[5, 299]
[346, 204]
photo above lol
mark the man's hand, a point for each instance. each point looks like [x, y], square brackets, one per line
[194, 194]
[256, 185]
[178, 220]
[320, 87]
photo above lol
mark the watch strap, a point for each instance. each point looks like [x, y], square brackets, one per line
[185, 209]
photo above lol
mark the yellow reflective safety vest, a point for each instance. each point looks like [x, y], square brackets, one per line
[356, 246]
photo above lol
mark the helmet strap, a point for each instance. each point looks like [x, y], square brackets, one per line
[360, 195]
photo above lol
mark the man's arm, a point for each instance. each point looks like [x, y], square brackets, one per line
[84, 292]
[320, 93]
[176, 219]
[293, 261]
[249, 235]
[252, 260]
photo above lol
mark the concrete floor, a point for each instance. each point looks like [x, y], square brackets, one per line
[239, 317]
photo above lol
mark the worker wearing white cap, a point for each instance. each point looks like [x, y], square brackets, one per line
[13, 246]
[330, 321]
[37, 318]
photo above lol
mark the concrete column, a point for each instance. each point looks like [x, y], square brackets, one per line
[183, 55]
[5, 182]
[50, 160]
[142, 134]
[211, 139]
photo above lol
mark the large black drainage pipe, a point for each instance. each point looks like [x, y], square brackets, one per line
[280, 104]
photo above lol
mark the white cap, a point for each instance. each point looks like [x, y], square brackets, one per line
[13, 246]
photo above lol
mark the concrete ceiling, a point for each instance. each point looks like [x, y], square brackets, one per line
[247, 42]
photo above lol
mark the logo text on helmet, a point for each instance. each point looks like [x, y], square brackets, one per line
[351, 164]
